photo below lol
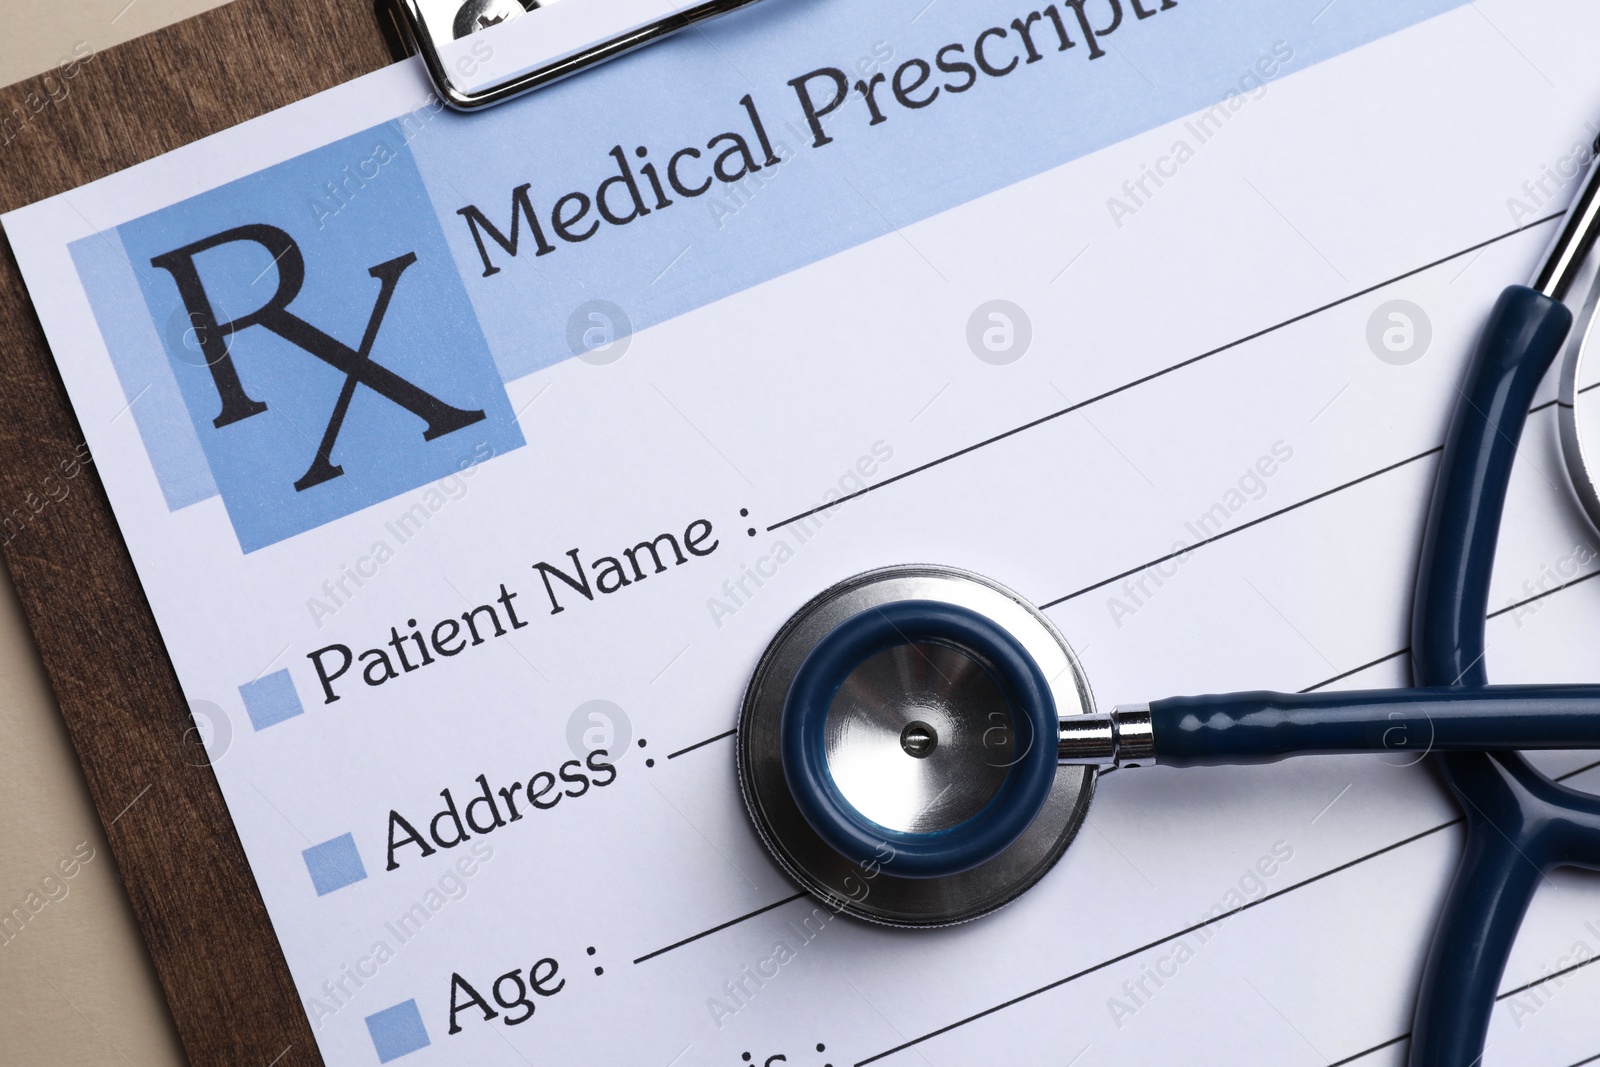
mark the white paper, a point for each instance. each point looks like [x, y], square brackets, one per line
[1202, 329]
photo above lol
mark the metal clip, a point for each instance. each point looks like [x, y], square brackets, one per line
[487, 51]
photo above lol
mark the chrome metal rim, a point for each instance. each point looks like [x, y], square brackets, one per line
[1576, 451]
[863, 890]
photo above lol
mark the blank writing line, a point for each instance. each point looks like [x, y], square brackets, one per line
[1370, 1051]
[1493, 615]
[1552, 976]
[1255, 522]
[1355, 670]
[1514, 606]
[1226, 533]
[1243, 527]
[1547, 978]
[1058, 983]
[1436, 450]
[1208, 922]
[1171, 937]
[1540, 596]
[701, 744]
[718, 927]
[1159, 374]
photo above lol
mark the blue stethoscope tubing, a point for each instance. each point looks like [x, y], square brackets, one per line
[1519, 823]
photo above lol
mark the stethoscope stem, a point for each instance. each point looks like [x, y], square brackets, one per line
[1572, 241]
[1245, 728]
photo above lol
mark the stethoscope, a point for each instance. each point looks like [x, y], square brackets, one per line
[918, 745]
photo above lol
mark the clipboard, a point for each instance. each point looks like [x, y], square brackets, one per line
[191, 888]
[214, 949]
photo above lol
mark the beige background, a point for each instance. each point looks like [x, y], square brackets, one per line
[38, 33]
[76, 986]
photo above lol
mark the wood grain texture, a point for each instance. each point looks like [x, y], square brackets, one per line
[175, 846]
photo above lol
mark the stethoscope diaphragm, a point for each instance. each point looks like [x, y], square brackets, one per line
[897, 746]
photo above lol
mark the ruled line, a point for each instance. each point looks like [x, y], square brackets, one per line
[1514, 606]
[719, 927]
[1191, 361]
[1325, 494]
[1508, 994]
[1356, 670]
[1060, 982]
[1242, 527]
[1370, 1051]
[1111, 962]
[701, 744]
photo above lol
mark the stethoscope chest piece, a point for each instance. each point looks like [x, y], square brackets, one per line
[898, 746]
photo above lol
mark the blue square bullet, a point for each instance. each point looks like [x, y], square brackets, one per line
[271, 699]
[334, 864]
[396, 1031]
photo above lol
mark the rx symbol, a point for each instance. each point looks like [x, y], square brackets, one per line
[355, 363]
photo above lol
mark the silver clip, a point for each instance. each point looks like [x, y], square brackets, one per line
[484, 52]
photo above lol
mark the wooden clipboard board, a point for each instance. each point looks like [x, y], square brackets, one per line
[174, 842]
